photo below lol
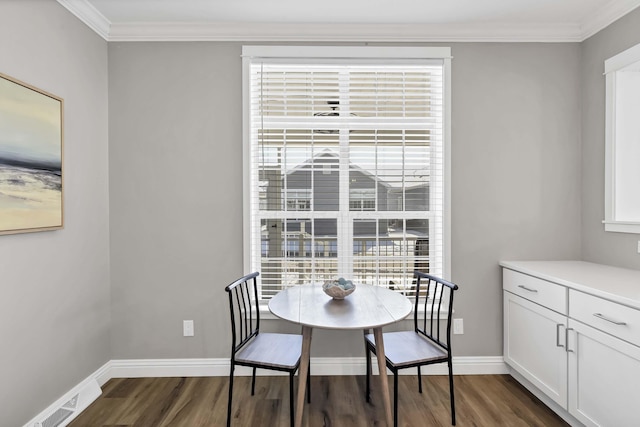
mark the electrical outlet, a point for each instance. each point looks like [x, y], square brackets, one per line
[187, 328]
[458, 327]
[639, 246]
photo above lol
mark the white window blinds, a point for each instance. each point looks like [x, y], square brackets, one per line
[345, 161]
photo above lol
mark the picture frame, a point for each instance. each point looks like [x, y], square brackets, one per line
[31, 158]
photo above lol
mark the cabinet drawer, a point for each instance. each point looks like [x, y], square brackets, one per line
[540, 291]
[610, 317]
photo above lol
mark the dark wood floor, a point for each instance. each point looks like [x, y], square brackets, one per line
[487, 400]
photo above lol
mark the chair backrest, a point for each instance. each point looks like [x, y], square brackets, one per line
[435, 295]
[244, 310]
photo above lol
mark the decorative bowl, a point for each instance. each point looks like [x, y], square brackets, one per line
[338, 288]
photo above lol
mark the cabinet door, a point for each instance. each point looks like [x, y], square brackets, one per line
[604, 373]
[534, 340]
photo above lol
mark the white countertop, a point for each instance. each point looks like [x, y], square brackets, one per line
[616, 284]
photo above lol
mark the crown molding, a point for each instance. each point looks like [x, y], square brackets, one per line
[301, 32]
[88, 14]
[304, 32]
[607, 15]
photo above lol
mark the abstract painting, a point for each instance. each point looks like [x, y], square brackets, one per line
[30, 158]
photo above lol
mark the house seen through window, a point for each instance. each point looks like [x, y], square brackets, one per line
[345, 156]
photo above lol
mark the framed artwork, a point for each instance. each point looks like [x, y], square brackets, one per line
[31, 140]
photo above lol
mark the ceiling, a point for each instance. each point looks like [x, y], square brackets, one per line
[349, 20]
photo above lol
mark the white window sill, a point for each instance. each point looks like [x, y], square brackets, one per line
[622, 227]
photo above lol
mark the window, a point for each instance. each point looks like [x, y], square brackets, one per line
[298, 200]
[622, 174]
[362, 199]
[346, 152]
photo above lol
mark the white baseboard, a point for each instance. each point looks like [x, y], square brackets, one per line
[143, 368]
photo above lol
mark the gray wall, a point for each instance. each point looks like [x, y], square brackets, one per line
[54, 306]
[176, 187]
[175, 154]
[618, 249]
[515, 172]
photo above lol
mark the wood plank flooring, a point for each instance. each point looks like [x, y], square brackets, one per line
[336, 401]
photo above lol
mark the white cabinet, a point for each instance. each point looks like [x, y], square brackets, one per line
[534, 345]
[604, 376]
[572, 341]
[604, 361]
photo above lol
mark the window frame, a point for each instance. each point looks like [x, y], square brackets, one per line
[328, 53]
[613, 148]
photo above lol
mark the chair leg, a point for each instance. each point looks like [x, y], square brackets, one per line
[395, 398]
[419, 380]
[291, 419]
[368, 359]
[309, 382]
[451, 395]
[230, 396]
[253, 382]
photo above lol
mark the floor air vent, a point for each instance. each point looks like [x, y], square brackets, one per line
[62, 414]
[57, 417]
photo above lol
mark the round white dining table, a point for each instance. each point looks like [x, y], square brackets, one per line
[369, 307]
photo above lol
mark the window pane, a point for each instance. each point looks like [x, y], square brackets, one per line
[386, 252]
[297, 251]
[627, 149]
[417, 170]
[299, 171]
[326, 178]
[293, 91]
[326, 249]
[390, 93]
[418, 239]
[393, 166]
[326, 238]
[365, 249]
[271, 251]
[270, 158]
[363, 180]
[271, 238]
